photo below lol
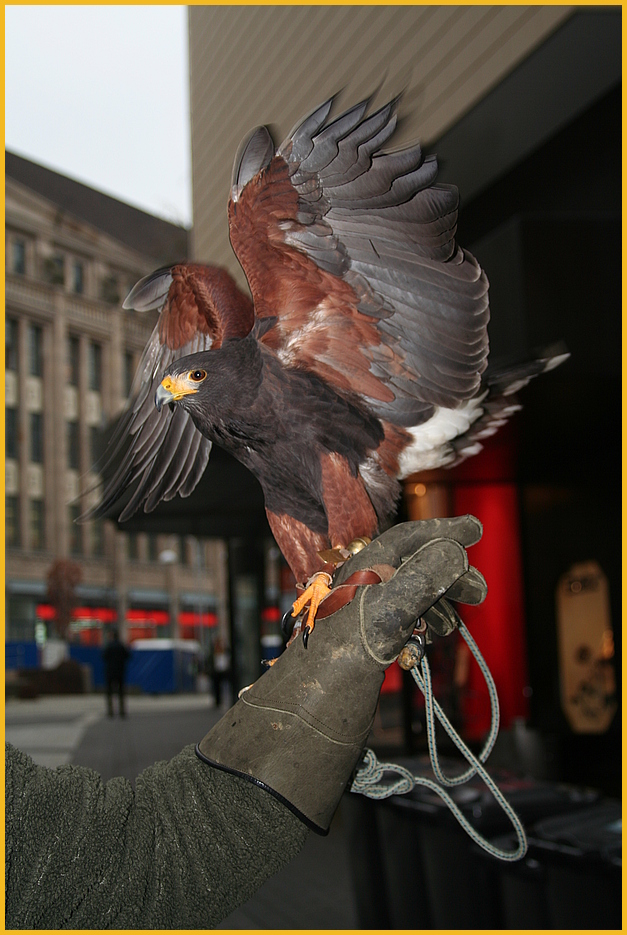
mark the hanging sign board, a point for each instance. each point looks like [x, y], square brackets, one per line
[586, 649]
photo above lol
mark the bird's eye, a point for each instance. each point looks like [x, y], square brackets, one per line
[197, 376]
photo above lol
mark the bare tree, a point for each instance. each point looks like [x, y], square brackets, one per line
[63, 577]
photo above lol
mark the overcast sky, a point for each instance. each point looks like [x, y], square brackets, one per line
[100, 93]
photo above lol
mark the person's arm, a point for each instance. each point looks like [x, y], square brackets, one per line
[203, 831]
[183, 850]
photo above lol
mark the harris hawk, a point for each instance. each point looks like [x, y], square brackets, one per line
[360, 359]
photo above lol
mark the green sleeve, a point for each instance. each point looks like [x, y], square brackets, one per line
[182, 850]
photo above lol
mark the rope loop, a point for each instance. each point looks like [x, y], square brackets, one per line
[369, 779]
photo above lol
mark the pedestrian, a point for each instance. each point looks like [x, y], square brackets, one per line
[115, 655]
[200, 834]
[220, 670]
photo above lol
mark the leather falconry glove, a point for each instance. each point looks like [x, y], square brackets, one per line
[442, 618]
[300, 729]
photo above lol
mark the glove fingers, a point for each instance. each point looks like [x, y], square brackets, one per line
[418, 583]
[471, 588]
[442, 618]
[406, 538]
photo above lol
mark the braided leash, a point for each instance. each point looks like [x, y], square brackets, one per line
[368, 779]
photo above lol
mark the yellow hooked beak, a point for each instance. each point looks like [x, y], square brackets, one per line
[171, 389]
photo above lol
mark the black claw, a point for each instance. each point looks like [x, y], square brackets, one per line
[306, 632]
[287, 624]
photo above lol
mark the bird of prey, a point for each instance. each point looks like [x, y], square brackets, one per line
[360, 360]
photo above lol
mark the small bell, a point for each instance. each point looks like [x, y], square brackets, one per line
[341, 553]
[358, 544]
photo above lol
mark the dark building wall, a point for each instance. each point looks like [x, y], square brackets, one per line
[549, 235]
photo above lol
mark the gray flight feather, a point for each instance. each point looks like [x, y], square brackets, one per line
[299, 140]
[325, 146]
[150, 292]
[254, 153]
[158, 454]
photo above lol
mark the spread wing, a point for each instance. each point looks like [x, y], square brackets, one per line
[353, 250]
[163, 453]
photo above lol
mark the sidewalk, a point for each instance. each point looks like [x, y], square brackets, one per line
[51, 728]
[313, 892]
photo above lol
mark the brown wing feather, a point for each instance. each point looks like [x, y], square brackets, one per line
[203, 300]
[352, 250]
[319, 326]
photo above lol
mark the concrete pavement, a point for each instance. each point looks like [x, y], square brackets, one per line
[50, 728]
[313, 892]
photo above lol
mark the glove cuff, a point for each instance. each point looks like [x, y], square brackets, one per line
[298, 763]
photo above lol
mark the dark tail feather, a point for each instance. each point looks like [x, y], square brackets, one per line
[502, 383]
[509, 379]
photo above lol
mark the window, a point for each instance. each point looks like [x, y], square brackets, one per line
[129, 372]
[110, 290]
[74, 530]
[194, 552]
[132, 546]
[97, 537]
[11, 432]
[94, 445]
[72, 364]
[73, 446]
[36, 437]
[152, 548]
[54, 269]
[184, 552]
[11, 344]
[78, 277]
[35, 351]
[94, 366]
[18, 257]
[12, 521]
[20, 623]
[36, 524]
[201, 553]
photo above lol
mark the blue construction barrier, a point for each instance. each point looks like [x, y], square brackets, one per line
[156, 666]
[159, 666]
[21, 655]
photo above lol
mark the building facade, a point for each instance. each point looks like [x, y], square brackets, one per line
[72, 254]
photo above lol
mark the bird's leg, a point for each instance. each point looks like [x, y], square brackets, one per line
[320, 584]
[317, 589]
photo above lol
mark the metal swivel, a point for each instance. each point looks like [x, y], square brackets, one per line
[413, 651]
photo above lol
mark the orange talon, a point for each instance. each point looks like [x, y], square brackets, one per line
[317, 589]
